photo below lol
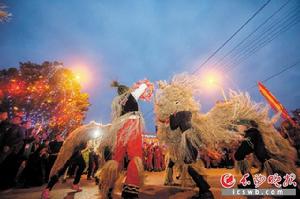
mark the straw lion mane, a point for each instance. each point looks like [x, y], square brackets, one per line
[80, 135]
[214, 129]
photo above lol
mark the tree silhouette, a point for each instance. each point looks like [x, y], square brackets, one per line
[49, 95]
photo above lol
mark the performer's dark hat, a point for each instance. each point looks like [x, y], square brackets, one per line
[121, 88]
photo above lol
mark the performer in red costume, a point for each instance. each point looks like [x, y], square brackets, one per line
[145, 154]
[128, 125]
[157, 158]
[163, 155]
[150, 157]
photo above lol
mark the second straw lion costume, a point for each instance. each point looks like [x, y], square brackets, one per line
[186, 130]
[127, 128]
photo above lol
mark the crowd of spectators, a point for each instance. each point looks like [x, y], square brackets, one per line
[154, 156]
[27, 154]
[226, 159]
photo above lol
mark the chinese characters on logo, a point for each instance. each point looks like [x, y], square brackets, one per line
[228, 180]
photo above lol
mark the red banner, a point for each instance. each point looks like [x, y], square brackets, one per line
[274, 103]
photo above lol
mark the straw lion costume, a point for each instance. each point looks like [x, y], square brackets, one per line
[186, 131]
[70, 152]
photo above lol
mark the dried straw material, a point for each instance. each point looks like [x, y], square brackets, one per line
[108, 175]
[75, 138]
[213, 130]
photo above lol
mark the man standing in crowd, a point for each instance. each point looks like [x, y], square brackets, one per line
[27, 149]
[157, 158]
[4, 127]
[13, 142]
[93, 163]
[53, 149]
[150, 157]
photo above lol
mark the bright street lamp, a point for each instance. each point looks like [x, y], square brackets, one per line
[212, 79]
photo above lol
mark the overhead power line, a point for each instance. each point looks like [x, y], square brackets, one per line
[271, 32]
[235, 48]
[277, 74]
[259, 42]
[232, 36]
[262, 41]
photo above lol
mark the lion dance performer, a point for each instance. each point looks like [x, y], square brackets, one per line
[127, 125]
[70, 153]
[186, 131]
[258, 137]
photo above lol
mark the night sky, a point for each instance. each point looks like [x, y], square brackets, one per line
[132, 40]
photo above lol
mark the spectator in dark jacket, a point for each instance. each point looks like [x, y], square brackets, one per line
[34, 171]
[14, 137]
[53, 149]
[93, 163]
[13, 144]
[4, 127]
